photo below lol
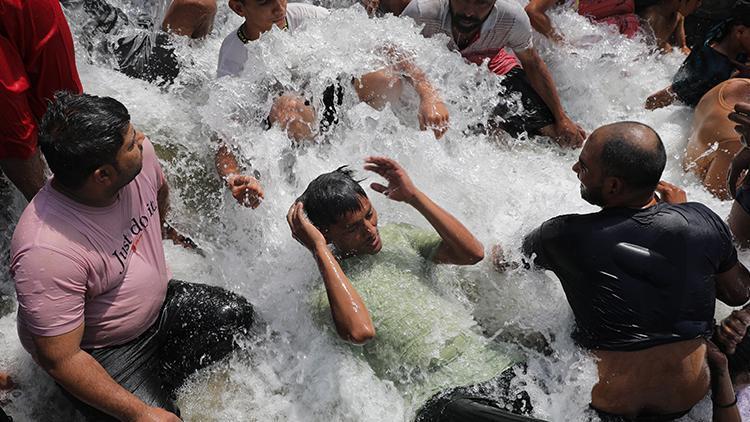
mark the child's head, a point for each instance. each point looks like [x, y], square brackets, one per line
[260, 15]
[735, 29]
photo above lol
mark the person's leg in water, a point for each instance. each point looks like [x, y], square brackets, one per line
[295, 115]
[197, 327]
[192, 18]
[477, 402]
[536, 119]
[201, 324]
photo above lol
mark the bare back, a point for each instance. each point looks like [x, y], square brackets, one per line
[660, 380]
[713, 142]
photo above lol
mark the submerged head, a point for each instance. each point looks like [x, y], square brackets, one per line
[338, 206]
[88, 141]
[260, 15]
[620, 164]
[469, 15]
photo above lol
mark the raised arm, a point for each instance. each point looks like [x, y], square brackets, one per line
[433, 114]
[458, 245]
[541, 80]
[350, 315]
[82, 376]
[246, 190]
[537, 11]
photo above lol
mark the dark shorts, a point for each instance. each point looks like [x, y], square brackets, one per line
[608, 417]
[146, 52]
[510, 117]
[197, 327]
[477, 402]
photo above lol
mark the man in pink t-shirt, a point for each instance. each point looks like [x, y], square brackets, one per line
[96, 307]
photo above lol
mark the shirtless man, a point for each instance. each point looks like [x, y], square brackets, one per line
[667, 20]
[713, 142]
[641, 276]
[481, 31]
[739, 216]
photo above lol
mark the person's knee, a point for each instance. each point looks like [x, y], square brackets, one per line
[193, 18]
[379, 88]
[236, 313]
[294, 114]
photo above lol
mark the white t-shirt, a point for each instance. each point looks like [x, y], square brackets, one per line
[233, 52]
[506, 26]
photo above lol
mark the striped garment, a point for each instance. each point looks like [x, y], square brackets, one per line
[506, 26]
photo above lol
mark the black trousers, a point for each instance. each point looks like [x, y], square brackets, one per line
[471, 403]
[197, 326]
[4, 417]
[535, 113]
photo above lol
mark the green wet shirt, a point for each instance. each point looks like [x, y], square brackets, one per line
[424, 342]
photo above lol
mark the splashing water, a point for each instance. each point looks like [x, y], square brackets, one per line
[500, 188]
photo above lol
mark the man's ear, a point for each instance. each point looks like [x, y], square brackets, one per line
[236, 7]
[613, 186]
[104, 174]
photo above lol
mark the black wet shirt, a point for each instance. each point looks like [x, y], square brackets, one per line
[637, 278]
[702, 70]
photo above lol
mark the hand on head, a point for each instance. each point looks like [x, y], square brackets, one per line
[671, 194]
[433, 114]
[245, 189]
[732, 330]
[400, 187]
[303, 231]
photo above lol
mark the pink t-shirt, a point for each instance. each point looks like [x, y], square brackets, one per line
[104, 267]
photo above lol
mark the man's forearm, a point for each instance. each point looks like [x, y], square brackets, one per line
[226, 162]
[350, 315]
[461, 245]
[82, 376]
[541, 80]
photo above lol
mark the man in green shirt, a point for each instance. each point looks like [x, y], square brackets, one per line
[427, 345]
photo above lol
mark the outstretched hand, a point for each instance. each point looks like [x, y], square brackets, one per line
[245, 189]
[740, 163]
[671, 194]
[732, 330]
[303, 231]
[400, 187]
[433, 114]
[569, 134]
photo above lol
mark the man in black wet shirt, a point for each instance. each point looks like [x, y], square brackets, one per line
[641, 275]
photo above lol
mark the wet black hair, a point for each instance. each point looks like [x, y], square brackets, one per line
[739, 361]
[740, 15]
[80, 133]
[331, 196]
[638, 166]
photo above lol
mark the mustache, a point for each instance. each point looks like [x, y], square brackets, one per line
[465, 18]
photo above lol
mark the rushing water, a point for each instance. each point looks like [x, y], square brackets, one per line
[501, 188]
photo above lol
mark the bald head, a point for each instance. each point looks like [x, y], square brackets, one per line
[631, 151]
